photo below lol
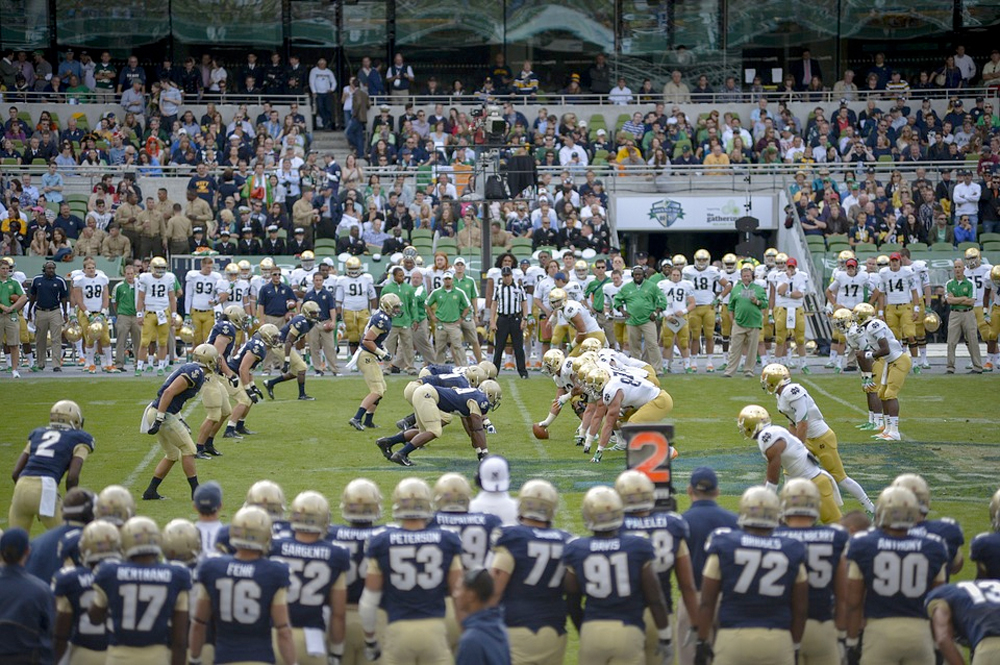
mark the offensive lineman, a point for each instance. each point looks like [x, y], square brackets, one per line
[620, 392]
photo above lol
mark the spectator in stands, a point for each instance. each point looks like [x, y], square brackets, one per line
[965, 230]
[352, 243]
[544, 235]
[676, 91]
[941, 232]
[913, 231]
[965, 198]
[948, 76]
[525, 84]
[225, 246]
[846, 88]
[7, 69]
[115, 245]
[369, 78]
[862, 231]
[399, 77]
[61, 249]
[69, 223]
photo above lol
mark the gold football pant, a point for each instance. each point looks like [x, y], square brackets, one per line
[202, 321]
[899, 318]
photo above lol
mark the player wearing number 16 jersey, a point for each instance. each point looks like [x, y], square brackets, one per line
[970, 611]
[763, 583]
[890, 573]
[528, 576]
[411, 570]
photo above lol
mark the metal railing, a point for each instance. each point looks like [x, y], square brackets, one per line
[95, 97]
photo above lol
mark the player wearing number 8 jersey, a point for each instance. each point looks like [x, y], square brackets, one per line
[970, 611]
[616, 575]
[763, 583]
[412, 568]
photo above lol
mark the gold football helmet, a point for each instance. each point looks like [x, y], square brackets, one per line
[842, 319]
[246, 269]
[584, 358]
[702, 258]
[591, 344]
[178, 321]
[310, 310]
[493, 393]
[268, 495]
[918, 486]
[679, 261]
[995, 275]
[602, 509]
[266, 266]
[391, 304]
[863, 313]
[932, 322]
[995, 511]
[186, 333]
[557, 298]
[773, 377]
[181, 541]
[769, 254]
[158, 266]
[140, 536]
[270, 335]
[236, 315]
[637, 491]
[232, 272]
[73, 333]
[452, 493]
[581, 269]
[552, 361]
[537, 500]
[66, 412]
[310, 513]
[973, 258]
[361, 501]
[206, 355]
[475, 375]
[882, 261]
[307, 259]
[752, 419]
[729, 262]
[780, 260]
[99, 540]
[353, 266]
[896, 508]
[489, 368]
[597, 379]
[759, 508]
[97, 327]
[412, 500]
[250, 529]
[800, 497]
[842, 258]
[115, 505]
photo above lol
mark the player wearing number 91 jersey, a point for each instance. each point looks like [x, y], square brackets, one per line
[970, 611]
[615, 573]
[890, 573]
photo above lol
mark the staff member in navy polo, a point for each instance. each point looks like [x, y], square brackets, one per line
[273, 307]
[703, 517]
[49, 307]
[322, 337]
[27, 606]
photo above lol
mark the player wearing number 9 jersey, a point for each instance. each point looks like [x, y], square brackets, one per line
[890, 573]
[245, 596]
[528, 575]
[763, 583]
[970, 611]
[615, 573]
[668, 532]
[411, 570]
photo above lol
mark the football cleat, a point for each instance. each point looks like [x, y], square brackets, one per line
[152, 496]
[597, 456]
[201, 454]
[269, 388]
[406, 423]
[578, 439]
[232, 434]
[356, 424]
[385, 445]
[213, 451]
[306, 398]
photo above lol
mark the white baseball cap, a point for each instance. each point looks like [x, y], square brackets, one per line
[494, 474]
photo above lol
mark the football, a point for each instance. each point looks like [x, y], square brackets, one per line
[539, 431]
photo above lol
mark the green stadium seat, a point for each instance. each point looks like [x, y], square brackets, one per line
[989, 237]
[962, 246]
[942, 247]
[889, 247]
[993, 246]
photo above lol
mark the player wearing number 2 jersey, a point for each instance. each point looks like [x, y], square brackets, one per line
[411, 570]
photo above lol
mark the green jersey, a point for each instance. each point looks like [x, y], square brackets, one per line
[419, 304]
[745, 313]
[105, 75]
[640, 301]
[10, 292]
[960, 289]
[124, 299]
[448, 305]
[467, 285]
[595, 290]
[405, 292]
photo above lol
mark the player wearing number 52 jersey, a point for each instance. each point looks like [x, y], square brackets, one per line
[617, 576]
[318, 588]
[52, 452]
[762, 579]
[411, 570]
[970, 611]
[890, 573]
[145, 600]
[244, 596]
[528, 576]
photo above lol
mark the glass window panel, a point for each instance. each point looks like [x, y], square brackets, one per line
[563, 26]
[449, 23]
[645, 27]
[364, 25]
[25, 23]
[894, 20]
[255, 22]
[980, 13]
[118, 25]
[314, 23]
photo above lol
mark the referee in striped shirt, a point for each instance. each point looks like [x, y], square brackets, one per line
[508, 313]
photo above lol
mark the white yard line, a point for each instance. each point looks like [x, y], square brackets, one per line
[154, 452]
[516, 394]
[849, 405]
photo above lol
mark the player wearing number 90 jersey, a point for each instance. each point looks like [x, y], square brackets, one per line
[970, 611]
[890, 573]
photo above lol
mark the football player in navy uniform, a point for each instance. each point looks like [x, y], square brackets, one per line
[969, 611]
[668, 532]
[412, 568]
[762, 581]
[361, 508]
[890, 573]
[528, 576]
[944, 528]
[73, 589]
[291, 333]
[470, 404]
[462, 377]
[45, 558]
[145, 599]
[368, 355]
[826, 566]
[54, 451]
[452, 496]
[162, 418]
[269, 497]
[617, 576]
[985, 548]
[251, 354]
[215, 393]
[318, 581]
[244, 595]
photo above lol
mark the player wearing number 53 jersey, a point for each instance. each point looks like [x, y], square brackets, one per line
[616, 575]
[890, 573]
[52, 452]
[970, 611]
[763, 583]
[528, 577]
[411, 570]
[145, 600]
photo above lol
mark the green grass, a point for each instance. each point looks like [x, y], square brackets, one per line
[948, 424]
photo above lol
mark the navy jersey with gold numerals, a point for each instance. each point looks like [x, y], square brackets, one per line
[354, 539]
[975, 608]
[666, 531]
[456, 400]
[314, 568]
[76, 586]
[475, 531]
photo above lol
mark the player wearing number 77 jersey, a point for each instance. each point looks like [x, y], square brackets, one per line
[412, 568]
[889, 574]
[970, 611]
[528, 578]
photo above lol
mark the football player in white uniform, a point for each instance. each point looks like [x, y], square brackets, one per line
[790, 289]
[620, 361]
[706, 279]
[978, 272]
[540, 304]
[615, 317]
[233, 289]
[898, 302]
[355, 298]
[200, 299]
[681, 302]
[91, 296]
[581, 275]
[991, 309]
[261, 279]
[889, 365]
[301, 277]
[570, 291]
[922, 285]
[732, 275]
[623, 396]
[576, 316]
[784, 451]
[156, 302]
[847, 288]
[556, 365]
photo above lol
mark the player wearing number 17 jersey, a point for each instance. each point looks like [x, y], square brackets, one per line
[848, 288]
[763, 583]
[890, 573]
[411, 570]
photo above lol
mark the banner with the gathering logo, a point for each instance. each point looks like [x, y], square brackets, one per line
[653, 213]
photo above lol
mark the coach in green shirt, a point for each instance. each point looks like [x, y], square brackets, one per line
[400, 340]
[12, 301]
[959, 294]
[747, 303]
[446, 307]
[467, 285]
[127, 325]
[642, 301]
